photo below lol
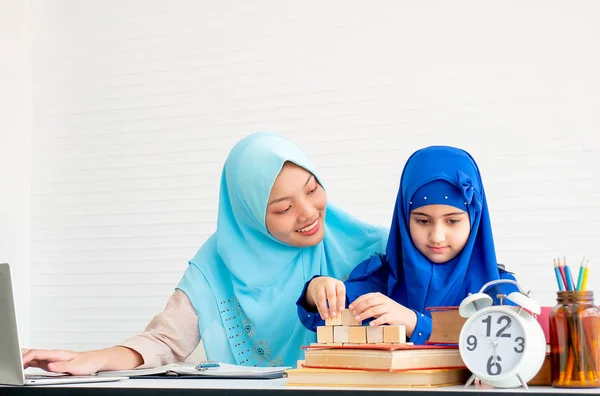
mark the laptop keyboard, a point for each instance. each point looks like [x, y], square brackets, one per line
[45, 377]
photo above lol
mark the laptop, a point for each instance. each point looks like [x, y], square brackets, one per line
[11, 362]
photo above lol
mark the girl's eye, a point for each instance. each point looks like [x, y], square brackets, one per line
[285, 211]
[454, 221]
[422, 221]
[313, 190]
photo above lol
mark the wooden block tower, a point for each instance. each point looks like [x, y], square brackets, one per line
[345, 330]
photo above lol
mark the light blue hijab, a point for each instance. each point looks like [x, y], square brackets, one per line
[243, 283]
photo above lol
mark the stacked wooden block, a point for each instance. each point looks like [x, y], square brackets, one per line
[345, 330]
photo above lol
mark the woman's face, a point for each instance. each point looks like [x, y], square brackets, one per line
[296, 208]
[439, 232]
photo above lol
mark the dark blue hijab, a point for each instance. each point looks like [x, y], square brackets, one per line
[415, 281]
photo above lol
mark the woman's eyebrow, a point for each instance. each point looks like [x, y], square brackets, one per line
[308, 180]
[278, 200]
[284, 198]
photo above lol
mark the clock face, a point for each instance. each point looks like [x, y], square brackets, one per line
[493, 343]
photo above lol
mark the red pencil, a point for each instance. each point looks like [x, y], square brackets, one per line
[561, 268]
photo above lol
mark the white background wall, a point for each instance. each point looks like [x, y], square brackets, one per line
[15, 151]
[137, 103]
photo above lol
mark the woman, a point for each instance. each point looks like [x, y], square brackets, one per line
[275, 231]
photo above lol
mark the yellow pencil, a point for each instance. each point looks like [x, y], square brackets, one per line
[585, 276]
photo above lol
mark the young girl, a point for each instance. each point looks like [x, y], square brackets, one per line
[274, 232]
[440, 249]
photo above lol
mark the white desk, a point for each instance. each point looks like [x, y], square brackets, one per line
[209, 387]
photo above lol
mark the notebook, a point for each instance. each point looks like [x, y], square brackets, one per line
[208, 370]
[11, 362]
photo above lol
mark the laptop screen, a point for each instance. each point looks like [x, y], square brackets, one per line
[11, 364]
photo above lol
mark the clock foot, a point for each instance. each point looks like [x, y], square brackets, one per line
[470, 381]
[522, 382]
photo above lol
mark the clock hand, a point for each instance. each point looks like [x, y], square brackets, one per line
[495, 356]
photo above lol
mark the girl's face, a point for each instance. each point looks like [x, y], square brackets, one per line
[296, 208]
[439, 232]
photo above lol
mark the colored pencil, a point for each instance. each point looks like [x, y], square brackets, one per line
[558, 277]
[562, 272]
[580, 276]
[570, 285]
[585, 276]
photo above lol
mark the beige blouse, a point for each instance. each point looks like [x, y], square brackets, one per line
[171, 336]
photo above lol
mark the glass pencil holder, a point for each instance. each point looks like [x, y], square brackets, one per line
[575, 340]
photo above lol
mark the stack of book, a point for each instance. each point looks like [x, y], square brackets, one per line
[380, 365]
[379, 379]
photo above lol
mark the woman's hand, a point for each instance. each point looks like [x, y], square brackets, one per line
[327, 294]
[62, 361]
[384, 310]
[82, 363]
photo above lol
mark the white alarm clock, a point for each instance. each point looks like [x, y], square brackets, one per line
[502, 345]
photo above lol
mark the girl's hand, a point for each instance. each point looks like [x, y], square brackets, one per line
[327, 294]
[384, 310]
